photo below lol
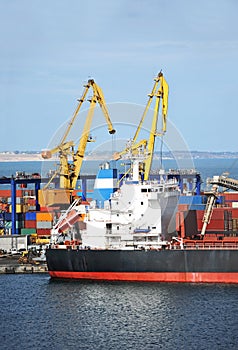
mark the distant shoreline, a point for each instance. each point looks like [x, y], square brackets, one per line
[20, 157]
[36, 157]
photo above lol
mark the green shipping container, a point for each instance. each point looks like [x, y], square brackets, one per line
[28, 231]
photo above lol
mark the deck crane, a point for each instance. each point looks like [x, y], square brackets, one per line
[216, 181]
[160, 92]
[69, 171]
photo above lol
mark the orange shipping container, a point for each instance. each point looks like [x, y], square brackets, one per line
[5, 193]
[40, 216]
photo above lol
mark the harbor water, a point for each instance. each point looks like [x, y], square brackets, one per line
[39, 313]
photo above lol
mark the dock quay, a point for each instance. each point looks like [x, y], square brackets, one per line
[10, 265]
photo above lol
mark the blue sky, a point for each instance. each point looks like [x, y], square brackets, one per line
[49, 49]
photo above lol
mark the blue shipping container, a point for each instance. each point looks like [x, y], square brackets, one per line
[192, 199]
[19, 216]
[31, 216]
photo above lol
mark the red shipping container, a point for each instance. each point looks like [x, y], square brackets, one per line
[234, 213]
[43, 232]
[49, 209]
[5, 193]
[217, 214]
[214, 225]
[216, 222]
[30, 224]
[19, 193]
[231, 197]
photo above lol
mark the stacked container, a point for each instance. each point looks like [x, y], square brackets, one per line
[30, 224]
[20, 222]
[30, 202]
[44, 223]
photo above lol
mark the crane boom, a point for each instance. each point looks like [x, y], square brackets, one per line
[160, 90]
[69, 172]
[161, 94]
[158, 79]
[102, 103]
[81, 100]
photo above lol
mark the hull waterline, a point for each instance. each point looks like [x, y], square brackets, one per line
[184, 277]
[194, 266]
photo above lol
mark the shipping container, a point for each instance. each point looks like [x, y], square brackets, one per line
[30, 216]
[40, 216]
[199, 199]
[43, 232]
[20, 208]
[197, 207]
[30, 224]
[44, 224]
[19, 216]
[19, 224]
[50, 209]
[28, 231]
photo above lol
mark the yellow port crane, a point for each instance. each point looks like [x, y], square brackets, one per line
[160, 91]
[69, 171]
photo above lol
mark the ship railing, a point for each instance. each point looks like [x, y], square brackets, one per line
[205, 247]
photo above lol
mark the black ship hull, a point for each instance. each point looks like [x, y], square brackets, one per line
[175, 265]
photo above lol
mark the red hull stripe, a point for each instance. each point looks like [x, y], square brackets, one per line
[206, 277]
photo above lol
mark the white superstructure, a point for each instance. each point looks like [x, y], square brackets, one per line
[139, 213]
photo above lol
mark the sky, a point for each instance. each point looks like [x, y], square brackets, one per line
[49, 49]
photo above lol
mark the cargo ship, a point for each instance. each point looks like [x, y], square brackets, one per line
[137, 227]
[141, 234]
[146, 229]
